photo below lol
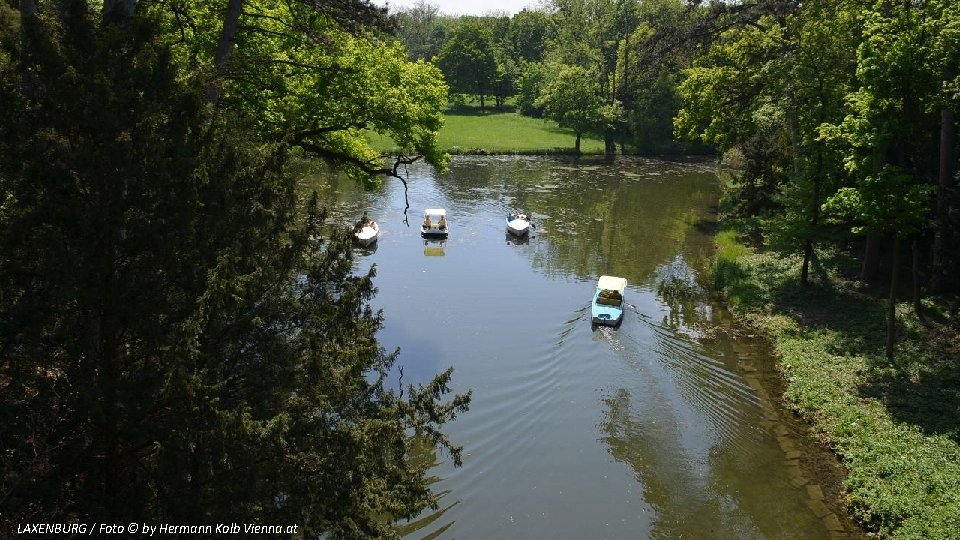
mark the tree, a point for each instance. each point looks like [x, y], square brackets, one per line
[508, 75]
[887, 202]
[531, 82]
[529, 32]
[946, 50]
[415, 27]
[589, 33]
[885, 138]
[468, 61]
[733, 98]
[314, 75]
[571, 99]
[181, 340]
[651, 116]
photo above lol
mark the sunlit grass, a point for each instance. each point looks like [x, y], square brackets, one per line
[467, 132]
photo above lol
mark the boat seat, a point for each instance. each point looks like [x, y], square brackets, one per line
[610, 298]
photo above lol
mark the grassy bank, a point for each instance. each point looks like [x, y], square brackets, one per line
[894, 423]
[466, 131]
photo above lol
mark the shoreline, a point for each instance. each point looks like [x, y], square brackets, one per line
[901, 480]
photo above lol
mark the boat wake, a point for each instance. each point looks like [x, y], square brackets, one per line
[707, 383]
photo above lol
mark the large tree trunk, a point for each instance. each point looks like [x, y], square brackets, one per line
[814, 220]
[126, 8]
[892, 302]
[917, 306]
[941, 232]
[28, 12]
[610, 144]
[225, 48]
[871, 258]
[807, 256]
[576, 149]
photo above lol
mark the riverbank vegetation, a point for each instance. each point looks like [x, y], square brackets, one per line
[841, 120]
[893, 423]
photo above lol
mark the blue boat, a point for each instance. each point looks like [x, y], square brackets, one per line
[607, 305]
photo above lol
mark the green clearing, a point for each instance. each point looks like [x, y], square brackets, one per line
[894, 423]
[466, 131]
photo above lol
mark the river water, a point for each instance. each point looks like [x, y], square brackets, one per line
[661, 428]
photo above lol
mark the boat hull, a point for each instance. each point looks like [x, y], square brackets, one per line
[608, 322]
[518, 227]
[434, 233]
[366, 242]
[367, 236]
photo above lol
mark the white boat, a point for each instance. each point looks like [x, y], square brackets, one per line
[518, 224]
[368, 233]
[434, 223]
[607, 305]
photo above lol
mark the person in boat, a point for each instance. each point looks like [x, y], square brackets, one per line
[365, 221]
[427, 223]
[443, 222]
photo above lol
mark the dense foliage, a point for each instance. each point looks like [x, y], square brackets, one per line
[844, 115]
[182, 340]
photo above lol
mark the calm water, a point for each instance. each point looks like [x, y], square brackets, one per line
[658, 429]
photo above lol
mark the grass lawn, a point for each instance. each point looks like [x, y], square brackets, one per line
[465, 131]
[894, 423]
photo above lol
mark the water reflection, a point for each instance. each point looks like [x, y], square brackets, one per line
[513, 240]
[648, 430]
[434, 248]
[424, 456]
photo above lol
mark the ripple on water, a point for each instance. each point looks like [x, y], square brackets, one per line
[706, 383]
[618, 433]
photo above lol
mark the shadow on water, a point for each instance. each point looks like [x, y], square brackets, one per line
[514, 240]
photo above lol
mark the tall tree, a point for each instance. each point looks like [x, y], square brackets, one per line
[529, 32]
[733, 98]
[468, 61]
[415, 28]
[946, 49]
[316, 75]
[181, 340]
[886, 138]
[571, 98]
